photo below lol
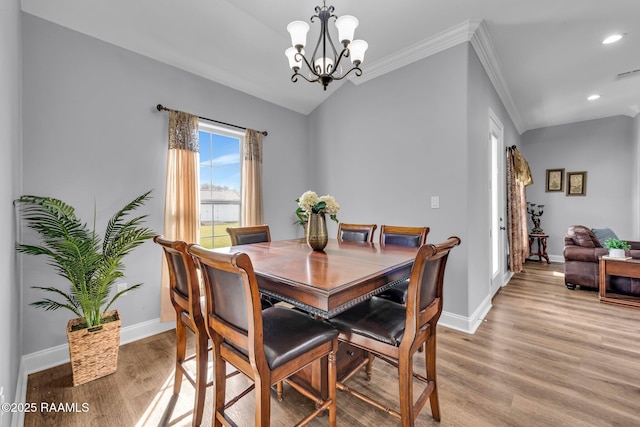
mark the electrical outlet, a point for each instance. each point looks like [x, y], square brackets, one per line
[123, 286]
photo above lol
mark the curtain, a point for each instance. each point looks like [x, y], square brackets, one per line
[182, 198]
[252, 211]
[518, 176]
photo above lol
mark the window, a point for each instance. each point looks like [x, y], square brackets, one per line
[220, 183]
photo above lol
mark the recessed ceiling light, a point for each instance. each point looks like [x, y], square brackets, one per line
[593, 97]
[612, 38]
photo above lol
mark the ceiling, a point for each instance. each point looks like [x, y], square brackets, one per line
[543, 56]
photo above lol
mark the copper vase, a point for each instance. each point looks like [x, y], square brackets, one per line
[317, 236]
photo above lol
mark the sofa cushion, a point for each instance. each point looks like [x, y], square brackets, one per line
[603, 234]
[582, 236]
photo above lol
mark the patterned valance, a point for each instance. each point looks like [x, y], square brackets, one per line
[183, 131]
[253, 146]
[523, 173]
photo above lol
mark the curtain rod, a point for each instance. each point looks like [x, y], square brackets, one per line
[161, 107]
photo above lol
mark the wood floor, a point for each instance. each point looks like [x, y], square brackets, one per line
[544, 356]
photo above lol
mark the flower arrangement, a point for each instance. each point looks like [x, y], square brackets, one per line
[309, 203]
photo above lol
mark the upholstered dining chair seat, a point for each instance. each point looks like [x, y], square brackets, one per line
[374, 318]
[397, 293]
[289, 333]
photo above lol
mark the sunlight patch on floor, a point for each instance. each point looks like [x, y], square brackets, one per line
[161, 403]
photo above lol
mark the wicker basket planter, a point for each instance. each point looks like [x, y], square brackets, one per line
[94, 352]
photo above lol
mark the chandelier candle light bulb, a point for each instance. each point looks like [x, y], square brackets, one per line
[324, 64]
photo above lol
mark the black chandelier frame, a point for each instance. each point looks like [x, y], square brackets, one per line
[324, 13]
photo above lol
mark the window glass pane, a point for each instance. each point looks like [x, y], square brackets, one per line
[225, 161]
[219, 186]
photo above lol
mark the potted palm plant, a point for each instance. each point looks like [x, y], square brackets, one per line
[91, 265]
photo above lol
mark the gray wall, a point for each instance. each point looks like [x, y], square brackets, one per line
[10, 123]
[481, 97]
[92, 134]
[384, 147]
[605, 149]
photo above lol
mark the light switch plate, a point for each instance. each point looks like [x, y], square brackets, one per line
[435, 202]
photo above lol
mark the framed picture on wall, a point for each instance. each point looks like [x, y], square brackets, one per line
[576, 183]
[555, 180]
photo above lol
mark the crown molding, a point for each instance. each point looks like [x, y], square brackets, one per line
[472, 31]
[486, 53]
[442, 41]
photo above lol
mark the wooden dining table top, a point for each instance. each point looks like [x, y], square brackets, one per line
[326, 283]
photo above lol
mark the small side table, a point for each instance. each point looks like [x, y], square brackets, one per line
[542, 246]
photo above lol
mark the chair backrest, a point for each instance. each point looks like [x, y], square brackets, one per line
[424, 295]
[233, 299]
[356, 232]
[183, 277]
[247, 235]
[404, 236]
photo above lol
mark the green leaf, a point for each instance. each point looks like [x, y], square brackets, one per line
[90, 264]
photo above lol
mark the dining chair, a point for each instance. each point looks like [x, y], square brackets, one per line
[394, 333]
[356, 232]
[403, 236]
[267, 346]
[247, 235]
[185, 298]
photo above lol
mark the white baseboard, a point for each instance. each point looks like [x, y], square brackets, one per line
[469, 324]
[557, 258]
[54, 356]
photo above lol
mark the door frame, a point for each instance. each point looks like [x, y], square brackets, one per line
[496, 129]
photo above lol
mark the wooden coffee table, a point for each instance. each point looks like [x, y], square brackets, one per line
[618, 267]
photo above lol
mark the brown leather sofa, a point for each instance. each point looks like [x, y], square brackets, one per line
[582, 251]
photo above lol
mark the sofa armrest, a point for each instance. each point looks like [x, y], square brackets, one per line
[634, 245]
[578, 253]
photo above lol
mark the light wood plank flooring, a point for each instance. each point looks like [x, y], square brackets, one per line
[544, 356]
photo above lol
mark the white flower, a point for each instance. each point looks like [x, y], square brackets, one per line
[308, 200]
[332, 206]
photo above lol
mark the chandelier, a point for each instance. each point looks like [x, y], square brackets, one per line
[324, 66]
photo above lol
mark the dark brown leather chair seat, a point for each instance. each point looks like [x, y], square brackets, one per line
[397, 293]
[289, 333]
[376, 318]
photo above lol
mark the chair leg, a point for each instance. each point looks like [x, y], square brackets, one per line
[219, 386]
[263, 403]
[430, 359]
[181, 348]
[332, 371]
[369, 368]
[202, 345]
[405, 380]
[279, 390]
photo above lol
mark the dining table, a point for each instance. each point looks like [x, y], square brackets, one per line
[326, 283]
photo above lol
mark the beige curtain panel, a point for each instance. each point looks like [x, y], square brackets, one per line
[252, 210]
[518, 176]
[182, 198]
